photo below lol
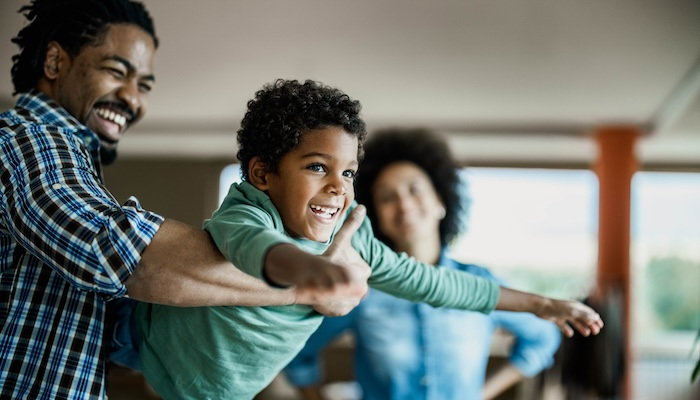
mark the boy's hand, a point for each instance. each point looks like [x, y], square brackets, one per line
[336, 284]
[342, 252]
[568, 313]
[564, 313]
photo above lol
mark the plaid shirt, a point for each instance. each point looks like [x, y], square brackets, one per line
[66, 247]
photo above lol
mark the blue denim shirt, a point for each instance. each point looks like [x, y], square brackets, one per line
[408, 350]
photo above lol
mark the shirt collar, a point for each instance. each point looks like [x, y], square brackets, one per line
[446, 261]
[49, 112]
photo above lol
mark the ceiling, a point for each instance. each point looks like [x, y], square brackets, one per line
[509, 81]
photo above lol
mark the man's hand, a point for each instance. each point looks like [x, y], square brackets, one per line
[336, 289]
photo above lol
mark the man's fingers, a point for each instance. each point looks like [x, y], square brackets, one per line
[350, 226]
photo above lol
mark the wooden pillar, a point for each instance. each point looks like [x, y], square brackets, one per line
[615, 166]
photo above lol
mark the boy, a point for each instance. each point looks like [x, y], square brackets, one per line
[299, 147]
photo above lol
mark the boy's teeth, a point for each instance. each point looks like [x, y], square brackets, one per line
[327, 210]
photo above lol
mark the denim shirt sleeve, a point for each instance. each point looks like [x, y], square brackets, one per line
[536, 340]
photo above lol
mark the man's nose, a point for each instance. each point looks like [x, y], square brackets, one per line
[131, 96]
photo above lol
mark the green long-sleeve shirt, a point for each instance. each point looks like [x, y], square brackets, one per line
[234, 352]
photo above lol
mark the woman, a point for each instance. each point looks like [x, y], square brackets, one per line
[410, 185]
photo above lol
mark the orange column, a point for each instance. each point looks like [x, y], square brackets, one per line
[615, 167]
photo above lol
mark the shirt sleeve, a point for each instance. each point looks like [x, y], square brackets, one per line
[244, 234]
[305, 369]
[405, 277]
[56, 207]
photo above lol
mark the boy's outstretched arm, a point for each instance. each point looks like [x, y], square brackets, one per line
[183, 267]
[564, 313]
[333, 283]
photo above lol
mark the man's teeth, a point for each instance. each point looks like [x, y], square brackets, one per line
[111, 116]
[329, 211]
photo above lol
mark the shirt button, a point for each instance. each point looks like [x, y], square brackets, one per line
[56, 186]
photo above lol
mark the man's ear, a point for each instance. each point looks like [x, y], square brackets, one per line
[55, 59]
[257, 173]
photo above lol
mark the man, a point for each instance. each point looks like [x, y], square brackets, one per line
[83, 75]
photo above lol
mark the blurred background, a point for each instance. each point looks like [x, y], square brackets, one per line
[577, 122]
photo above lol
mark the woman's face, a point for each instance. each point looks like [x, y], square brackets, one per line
[408, 208]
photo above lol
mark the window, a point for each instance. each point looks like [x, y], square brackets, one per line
[230, 174]
[665, 283]
[666, 251]
[535, 228]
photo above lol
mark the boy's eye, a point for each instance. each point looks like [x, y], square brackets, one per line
[316, 167]
[349, 174]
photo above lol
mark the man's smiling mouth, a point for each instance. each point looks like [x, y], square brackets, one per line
[112, 116]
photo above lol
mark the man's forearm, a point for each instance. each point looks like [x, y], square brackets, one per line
[183, 267]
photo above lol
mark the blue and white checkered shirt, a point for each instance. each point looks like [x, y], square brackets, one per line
[66, 247]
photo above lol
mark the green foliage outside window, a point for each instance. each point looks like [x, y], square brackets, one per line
[672, 288]
[672, 284]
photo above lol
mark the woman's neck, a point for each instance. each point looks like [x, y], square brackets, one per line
[424, 251]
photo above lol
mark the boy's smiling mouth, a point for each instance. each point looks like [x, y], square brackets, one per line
[324, 212]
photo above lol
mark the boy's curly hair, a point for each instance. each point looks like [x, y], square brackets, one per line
[284, 110]
[430, 152]
[73, 24]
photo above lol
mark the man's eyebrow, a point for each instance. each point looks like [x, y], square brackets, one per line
[129, 66]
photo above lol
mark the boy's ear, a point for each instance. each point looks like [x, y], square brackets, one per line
[257, 173]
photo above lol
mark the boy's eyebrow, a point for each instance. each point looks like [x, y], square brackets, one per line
[129, 67]
[323, 155]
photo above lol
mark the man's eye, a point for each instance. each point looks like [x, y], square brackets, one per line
[145, 87]
[117, 72]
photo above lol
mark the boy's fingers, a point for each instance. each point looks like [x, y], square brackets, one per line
[565, 328]
[350, 226]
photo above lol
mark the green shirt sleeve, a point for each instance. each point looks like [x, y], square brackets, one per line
[405, 277]
[245, 231]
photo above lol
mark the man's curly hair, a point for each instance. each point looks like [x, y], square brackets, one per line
[428, 151]
[73, 24]
[284, 110]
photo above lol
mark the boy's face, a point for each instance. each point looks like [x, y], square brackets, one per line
[314, 183]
